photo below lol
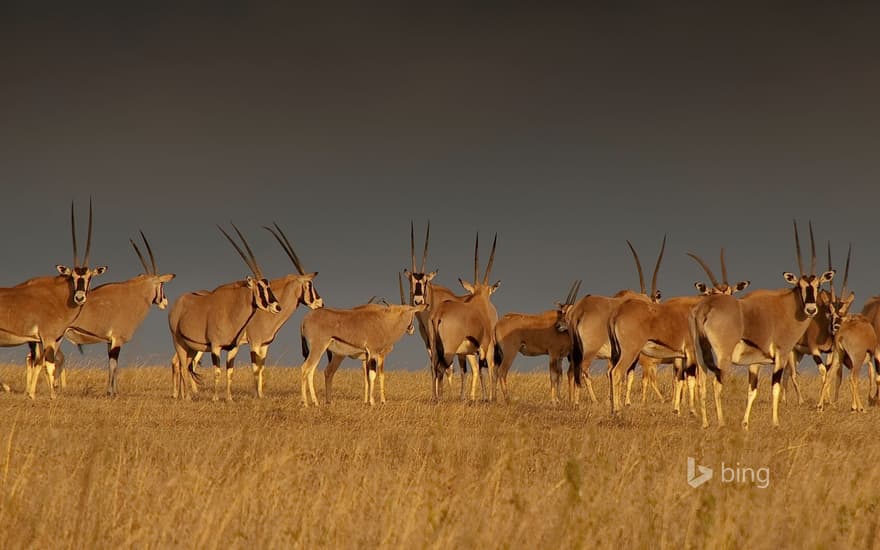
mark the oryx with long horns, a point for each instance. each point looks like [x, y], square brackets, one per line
[216, 320]
[114, 312]
[466, 327]
[761, 328]
[38, 311]
[291, 291]
[855, 343]
[423, 290]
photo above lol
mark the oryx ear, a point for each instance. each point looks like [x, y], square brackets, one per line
[310, 276]
[63, 269]
[849, 299]
[167, 277]
[790, 278]
[421, 307]
[99, 270]
[466, 285]
[742, 285]
[494, 287]
[701, 287]
[250, 281]
[406, 272]
[430, 276]
[827, 276]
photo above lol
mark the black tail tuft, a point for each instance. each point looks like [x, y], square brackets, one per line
[576, 356]
[499, 354]
[329, 356]
[615, 345]
[305, 347]
[439, 353]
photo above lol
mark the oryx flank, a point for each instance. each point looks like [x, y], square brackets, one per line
[533, 335]
[871, 311]
[116, 310]
[367, 332]
[758, 329]
[465, 327]
[422, 290]
[215, 320]
[39, 310]
[855, 343]
[290, 290]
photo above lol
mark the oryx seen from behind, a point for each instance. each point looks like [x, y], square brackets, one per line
[291, 291]
[855, 343]
[761, 328]
[114, 312]
[215, 320]
[367, 332]
[871, 311]
[586, 322]
[532, 335]
[465, 327]
[423, 290]
[38, 311]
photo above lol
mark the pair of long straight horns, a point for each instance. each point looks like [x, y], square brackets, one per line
[572, 293]
[85, 261]
[477, 260]
[656, 267]
[845, 273]
[249, 259]
[708, 270]
[797, 243]
[154, 270]
[412, 246]
[285, 244]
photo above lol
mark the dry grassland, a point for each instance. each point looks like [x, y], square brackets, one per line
[145, 471]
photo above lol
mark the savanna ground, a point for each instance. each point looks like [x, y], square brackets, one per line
[143, 470]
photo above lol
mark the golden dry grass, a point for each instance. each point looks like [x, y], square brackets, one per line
[146, 471]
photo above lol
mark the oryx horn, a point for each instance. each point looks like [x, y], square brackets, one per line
[638, 267]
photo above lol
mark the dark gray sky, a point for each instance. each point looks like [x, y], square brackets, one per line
[566, 131]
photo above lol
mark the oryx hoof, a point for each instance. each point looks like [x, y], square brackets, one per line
[5, 387]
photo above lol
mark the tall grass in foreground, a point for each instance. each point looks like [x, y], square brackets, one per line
[145, 471]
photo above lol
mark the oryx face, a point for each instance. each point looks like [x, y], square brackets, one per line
[80, 279]
[562, 316]
[159, 297]
[263, 296]
[310, 296]
[418, 286]
[808, 289]
[722, 288]
[837, 311]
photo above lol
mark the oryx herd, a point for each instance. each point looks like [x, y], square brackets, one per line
[706, 333]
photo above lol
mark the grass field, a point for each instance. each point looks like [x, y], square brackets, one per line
[143, 470]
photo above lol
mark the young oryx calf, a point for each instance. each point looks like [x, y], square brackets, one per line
[366, 332]
[214, 320]
[855, 343]
[115, 311]
[534, 335]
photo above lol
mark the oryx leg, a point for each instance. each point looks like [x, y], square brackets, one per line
[48, 359]
[586, 361]
[753, 393]
[34, 359]
[825, 391]
[230, 369]
[501, 379]
[678, 380]
[625, 363]
[874, 383]
[258, 363]
[307, 373]
[370, 366]
[333, 362]
[380, 367]
[113, 349]
[466, 366]
[855, 373]
[555, 378]
[630, 378]
[778, 368]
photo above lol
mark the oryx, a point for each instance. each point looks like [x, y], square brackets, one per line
[855, 343]
[215, 320]
[38, 311]
[587, 324]
[658, 330]
[465, 327]
[423, 290]
[367, 332]
[758, 329]
[116, 310]
[533, 335]
[290, 290]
